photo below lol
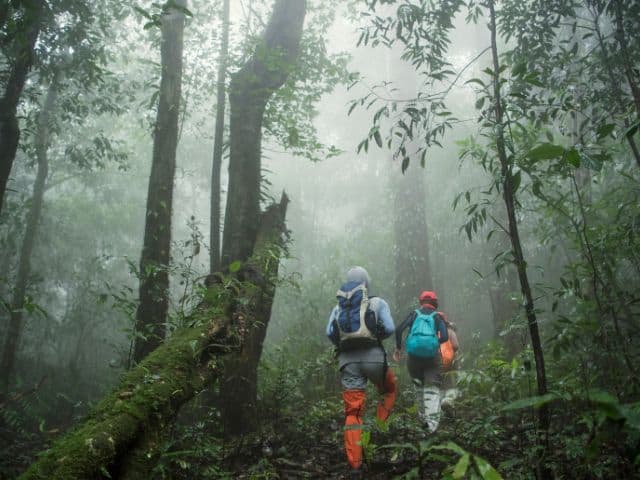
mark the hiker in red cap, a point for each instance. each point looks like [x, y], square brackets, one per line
[427, 330]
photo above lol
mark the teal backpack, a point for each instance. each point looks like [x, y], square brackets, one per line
[423, 340]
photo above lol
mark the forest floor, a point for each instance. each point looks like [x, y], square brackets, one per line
[317, 451]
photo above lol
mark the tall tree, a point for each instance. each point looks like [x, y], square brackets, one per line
[214, 262]
[151, 315]
[251, 88]
[508, 191]
[21, 57]
[12, 339]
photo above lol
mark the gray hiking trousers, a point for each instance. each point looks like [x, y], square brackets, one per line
[427, 371]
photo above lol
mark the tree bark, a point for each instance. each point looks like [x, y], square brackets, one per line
[151, 315]
[214, 233]
[521, 265]
[239, 388]
[251, 88]
[411, 248]
[15, 328]
[153, 390]
[21, 64]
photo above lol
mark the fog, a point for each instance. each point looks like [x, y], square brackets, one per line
[511, 194]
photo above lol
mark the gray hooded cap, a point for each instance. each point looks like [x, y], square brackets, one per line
[360, 275]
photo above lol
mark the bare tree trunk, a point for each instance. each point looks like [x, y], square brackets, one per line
[411, 249]
[251, 88]
[14, 331]
[214, 233]
[24, 43]
[151, 316]
[509, 200]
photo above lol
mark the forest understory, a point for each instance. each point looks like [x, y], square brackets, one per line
[487, 433]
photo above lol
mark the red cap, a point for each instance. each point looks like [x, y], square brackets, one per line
[429, 297]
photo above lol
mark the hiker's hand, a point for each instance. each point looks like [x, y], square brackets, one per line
[397, 355]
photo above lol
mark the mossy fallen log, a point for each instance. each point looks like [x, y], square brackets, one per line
[119, 438]
[149, 394]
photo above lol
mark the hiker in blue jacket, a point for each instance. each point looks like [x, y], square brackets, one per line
[423, 361]
[357, 325]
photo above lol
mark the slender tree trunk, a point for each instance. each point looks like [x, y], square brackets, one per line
[14, 331]
[509, 200]
[151, 316]
[214, 234]
[24, 43]
[251, 88]
[411, 248]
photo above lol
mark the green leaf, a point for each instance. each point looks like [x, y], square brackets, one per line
[405, 164]
[545, 151]
[450, 446]
[235, 266]
[573, 157]
[605, 130]
[631, 131]
[377, 138]
[476, 80]
[516, 179]
[519, 69]
[486, 470]
[462, 466]
[535, 402]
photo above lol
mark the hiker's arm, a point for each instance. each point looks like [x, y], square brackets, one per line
[407, 321]
[332, 331]
[385, 319]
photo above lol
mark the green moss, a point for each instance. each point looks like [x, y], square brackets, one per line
[147, 399]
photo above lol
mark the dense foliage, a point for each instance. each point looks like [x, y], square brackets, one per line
[521, 117]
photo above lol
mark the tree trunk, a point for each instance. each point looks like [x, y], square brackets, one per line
[14, 330]
[122, 435]
[239, 386]
[214, 233]
[503, 305]
[151, 316]
[411, 249]
[251, 88]
[626, 58]
[509, 200]
[24, 43]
